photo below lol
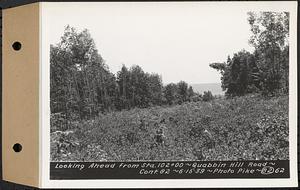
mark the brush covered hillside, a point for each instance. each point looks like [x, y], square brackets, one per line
[131, 115]
[242, 128]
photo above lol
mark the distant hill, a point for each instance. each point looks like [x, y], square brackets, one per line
[215, 88]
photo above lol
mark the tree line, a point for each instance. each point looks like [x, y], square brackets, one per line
[266, 70]
[82, 86]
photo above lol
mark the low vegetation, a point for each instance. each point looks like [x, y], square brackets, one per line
[242, 128]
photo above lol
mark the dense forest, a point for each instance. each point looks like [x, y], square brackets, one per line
[82, 85]
[266, 70]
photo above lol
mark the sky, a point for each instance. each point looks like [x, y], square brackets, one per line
[176, 40]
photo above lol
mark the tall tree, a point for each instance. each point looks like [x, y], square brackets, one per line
[266, 69]
[238, 74]
[170, 93]
[81, 83]
[155, 88]
[270, 39]
[182, 91]
[190, 93]
[123, 80]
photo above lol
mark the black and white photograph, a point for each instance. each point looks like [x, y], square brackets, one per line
[170, 90]
[179, 86]
[157, 94]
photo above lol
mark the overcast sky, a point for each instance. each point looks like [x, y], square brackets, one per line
[175, 40]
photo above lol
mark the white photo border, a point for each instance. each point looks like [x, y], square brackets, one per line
[46, 10]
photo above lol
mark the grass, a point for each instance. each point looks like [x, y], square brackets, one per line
[243, 128]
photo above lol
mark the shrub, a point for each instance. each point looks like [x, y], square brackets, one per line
[207, 96]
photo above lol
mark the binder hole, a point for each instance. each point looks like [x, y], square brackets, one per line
[17, 46]
[17, 147]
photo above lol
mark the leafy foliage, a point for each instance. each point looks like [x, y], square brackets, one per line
[249, 127]
[207, 96]
[82, 85]
[265, 70]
